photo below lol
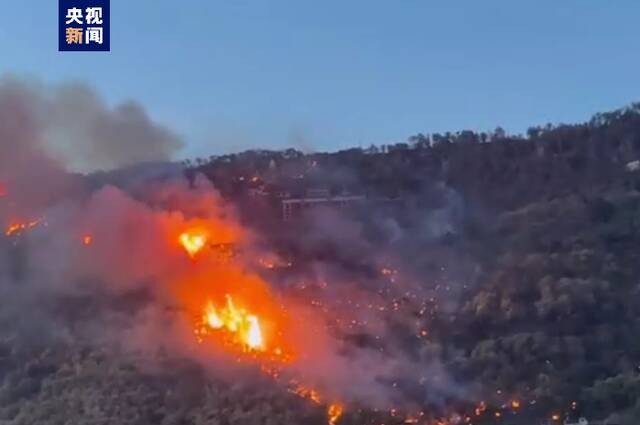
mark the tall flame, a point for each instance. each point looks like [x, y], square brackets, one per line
[254, 335]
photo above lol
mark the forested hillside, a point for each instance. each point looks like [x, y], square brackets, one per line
[505, 266]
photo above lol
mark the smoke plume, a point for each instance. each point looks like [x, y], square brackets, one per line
[107, 263]
[71, 123]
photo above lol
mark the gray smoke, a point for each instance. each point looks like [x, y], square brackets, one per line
[73, 125]
[365, 353]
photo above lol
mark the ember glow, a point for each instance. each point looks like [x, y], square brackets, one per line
[193, 241]
[334, 410]
[16, 228]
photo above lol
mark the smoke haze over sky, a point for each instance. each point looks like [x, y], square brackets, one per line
[325, 75]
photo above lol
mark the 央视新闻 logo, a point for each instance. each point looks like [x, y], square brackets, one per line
[83, 26]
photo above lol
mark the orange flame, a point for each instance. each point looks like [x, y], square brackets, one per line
[244, 327]
[193, 241]
[240, 313]
[308, 393]
[334, 413]
[87, 240]
[334, 410]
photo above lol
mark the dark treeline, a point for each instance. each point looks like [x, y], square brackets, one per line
[495, 169]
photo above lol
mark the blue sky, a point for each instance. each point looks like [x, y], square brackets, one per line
[322, 75]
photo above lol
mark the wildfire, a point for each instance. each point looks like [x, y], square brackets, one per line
[193, 241]
[240, 313]
[308, 393]
[334, 412]
[244, 327]
[18, 227]
[87, 240]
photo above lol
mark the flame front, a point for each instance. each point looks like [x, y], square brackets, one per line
[242, 326]
[193, 242]
[334, 410]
